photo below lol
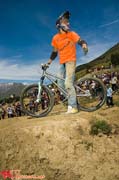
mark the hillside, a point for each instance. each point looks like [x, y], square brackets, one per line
[7, 89]
[60, 146]
[104, 59]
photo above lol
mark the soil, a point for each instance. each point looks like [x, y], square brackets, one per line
[60, 146]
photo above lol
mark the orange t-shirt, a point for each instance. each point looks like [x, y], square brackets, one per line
[66, 45]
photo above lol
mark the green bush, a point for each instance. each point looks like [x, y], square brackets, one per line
[100, 126]
[116, 103]
[9, 99]
[115, 59]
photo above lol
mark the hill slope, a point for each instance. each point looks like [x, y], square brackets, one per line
[60, 146]
[104, 59]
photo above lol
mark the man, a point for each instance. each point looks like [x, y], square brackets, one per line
[109, 100]
[64, 45]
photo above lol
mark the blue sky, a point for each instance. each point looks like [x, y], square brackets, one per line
[27, 28]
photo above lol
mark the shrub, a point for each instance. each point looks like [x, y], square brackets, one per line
[115, 59]
[116, 103]
[100, 126]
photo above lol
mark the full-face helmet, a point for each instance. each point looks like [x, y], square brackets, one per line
[63, 21]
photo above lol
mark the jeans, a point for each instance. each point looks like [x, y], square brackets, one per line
[67, 71]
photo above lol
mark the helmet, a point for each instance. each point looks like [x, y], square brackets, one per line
[59, 24]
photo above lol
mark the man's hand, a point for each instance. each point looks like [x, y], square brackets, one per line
[85, 48]
[49, 61]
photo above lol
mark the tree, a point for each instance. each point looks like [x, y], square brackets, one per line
[115, 59]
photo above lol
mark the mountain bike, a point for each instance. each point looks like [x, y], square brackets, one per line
[37, 100]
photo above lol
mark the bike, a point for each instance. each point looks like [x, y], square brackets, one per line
[37, 100]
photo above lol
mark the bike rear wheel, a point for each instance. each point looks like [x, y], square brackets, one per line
[91, 94]
[33, 108]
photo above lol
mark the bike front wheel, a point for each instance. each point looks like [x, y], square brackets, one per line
[91, 94]
[34, 107]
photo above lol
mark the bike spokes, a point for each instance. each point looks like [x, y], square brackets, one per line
[90, 94]
[34, 106]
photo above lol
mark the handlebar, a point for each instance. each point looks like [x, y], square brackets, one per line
[44, 66]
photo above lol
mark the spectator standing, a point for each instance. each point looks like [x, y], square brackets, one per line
[0, 111]
[109, 100]
[10, 111]
[114, 83]
[18, 109]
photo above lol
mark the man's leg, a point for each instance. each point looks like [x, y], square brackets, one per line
[69, 83]
[61, 74]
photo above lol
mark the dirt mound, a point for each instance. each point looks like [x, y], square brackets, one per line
[60, 146]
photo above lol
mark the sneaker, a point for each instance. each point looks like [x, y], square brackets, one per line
[71, 110]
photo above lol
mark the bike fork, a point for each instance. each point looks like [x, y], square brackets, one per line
[39, 93]
[40, 89]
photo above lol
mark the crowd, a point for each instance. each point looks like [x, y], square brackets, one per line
[10, 110]
[111, 81]
[15, 109]
[109, 78]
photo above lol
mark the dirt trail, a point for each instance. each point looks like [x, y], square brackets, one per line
[60, 147]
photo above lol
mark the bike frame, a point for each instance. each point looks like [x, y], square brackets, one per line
[50, 76]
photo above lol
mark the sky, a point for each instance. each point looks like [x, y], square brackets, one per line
[27, 28]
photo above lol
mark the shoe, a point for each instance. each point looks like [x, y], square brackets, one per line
[71, 110]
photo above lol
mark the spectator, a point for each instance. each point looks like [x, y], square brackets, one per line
[109, 100]
[18, 109]
[10, 111]
[3, 113]
[0, 111]
[114, 83]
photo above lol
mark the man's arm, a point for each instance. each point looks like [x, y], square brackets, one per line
[53, 55]
[83, 44]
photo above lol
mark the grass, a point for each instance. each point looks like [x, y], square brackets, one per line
[100, 126]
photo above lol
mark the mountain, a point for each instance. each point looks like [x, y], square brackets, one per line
[103, 60]
[8, 89]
